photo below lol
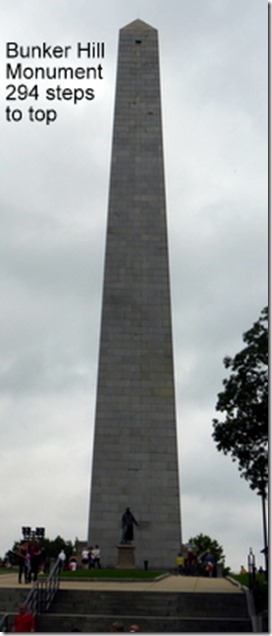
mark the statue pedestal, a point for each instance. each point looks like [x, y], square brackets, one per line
[125, 558]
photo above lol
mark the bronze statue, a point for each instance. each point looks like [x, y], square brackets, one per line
[128, 521]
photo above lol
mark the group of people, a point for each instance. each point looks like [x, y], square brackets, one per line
[31, 558]
[244, 571]
[188, 563]
[117, 626]
[71, 565]
[90, 557]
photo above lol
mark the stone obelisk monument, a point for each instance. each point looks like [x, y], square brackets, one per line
[135, 460]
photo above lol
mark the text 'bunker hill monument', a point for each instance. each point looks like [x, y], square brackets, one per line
[135, 460]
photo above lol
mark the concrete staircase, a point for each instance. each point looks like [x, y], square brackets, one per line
[10, 599]
[94, 611]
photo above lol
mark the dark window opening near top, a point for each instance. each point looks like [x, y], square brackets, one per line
[138, 41]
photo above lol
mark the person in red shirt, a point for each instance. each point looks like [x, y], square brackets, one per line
[34, 550]
[24, 621]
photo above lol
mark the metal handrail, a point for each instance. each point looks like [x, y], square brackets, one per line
[48, 588]
[4, 623]
[32, 599]
[40, 596]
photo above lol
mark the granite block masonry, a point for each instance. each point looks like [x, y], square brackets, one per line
[135, 462]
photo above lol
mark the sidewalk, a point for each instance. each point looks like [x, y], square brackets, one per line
[167, 584]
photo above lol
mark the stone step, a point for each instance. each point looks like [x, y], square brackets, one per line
[10, 598]
[95, 611]
[166, 604]
[58, 623]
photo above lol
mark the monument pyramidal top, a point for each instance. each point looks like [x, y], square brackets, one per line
[138, 25]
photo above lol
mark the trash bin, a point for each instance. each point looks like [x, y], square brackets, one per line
[219, 570]
[146, 565]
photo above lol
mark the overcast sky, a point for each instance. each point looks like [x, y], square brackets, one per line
[54, 192]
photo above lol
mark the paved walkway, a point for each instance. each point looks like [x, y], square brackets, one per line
[166, 584]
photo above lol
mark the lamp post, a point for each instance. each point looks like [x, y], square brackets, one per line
[26, 532]
[32, 533]
[39, 533]
[251, 568]
[265, 550]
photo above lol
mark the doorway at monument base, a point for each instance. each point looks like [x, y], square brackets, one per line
[126, 557]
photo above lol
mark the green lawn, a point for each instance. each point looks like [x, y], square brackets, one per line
[261, 592]
[110, 574]
[244, 580]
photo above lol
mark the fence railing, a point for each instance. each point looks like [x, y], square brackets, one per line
[4, 622]
[40, 596]
[47, 589]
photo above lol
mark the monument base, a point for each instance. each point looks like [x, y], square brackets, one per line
[125, 559]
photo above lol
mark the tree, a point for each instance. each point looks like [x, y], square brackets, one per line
[244, 432]
[201, 543]
[52, 548]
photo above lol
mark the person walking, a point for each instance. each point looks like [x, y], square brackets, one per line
[180, 563]
[85, 558]
[96, 557]
[62, 559]
[209, 563]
